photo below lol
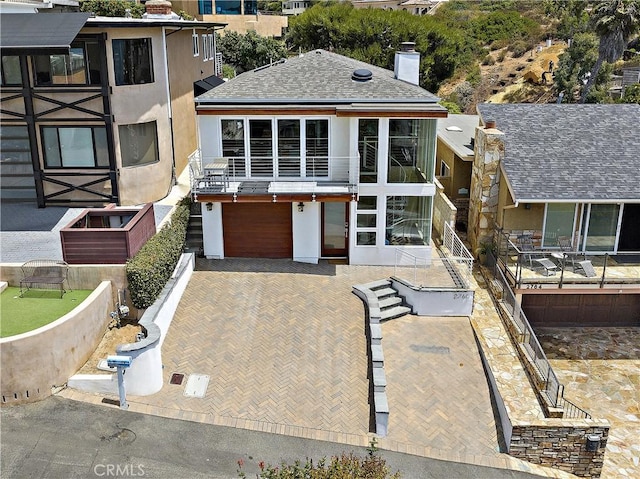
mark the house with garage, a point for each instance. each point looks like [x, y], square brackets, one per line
[99, 110]
[555, 188]
[318, 156]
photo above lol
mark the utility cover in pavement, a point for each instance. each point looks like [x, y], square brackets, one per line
[196, 385]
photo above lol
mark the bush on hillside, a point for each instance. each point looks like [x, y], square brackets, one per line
[150, 269]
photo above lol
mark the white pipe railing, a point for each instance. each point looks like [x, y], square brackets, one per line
[456, 247]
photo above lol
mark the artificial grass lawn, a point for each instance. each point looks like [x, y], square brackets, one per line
[35, 309]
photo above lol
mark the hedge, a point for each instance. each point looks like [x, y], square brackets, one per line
[151, 268]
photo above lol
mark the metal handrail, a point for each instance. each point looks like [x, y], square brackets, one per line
[456, 247]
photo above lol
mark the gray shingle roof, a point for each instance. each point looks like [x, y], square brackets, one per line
[570, 152]
[318, 77]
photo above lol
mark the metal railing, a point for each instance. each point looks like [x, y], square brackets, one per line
[611, 269]
[456, 247]
[335, 169]
[434, 272]
[571, 411]
[527, 338]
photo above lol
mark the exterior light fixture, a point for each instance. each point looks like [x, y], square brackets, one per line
[593, 442]
[301, 207]
[209, 206]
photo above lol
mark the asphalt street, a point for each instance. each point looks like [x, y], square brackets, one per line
[59, 438]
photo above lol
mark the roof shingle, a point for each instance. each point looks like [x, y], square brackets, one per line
[570, 152]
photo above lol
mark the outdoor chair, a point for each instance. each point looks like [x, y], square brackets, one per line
[578, 265]
[525, 245]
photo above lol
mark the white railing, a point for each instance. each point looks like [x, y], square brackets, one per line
[432, 272]
[456, 247]
[338, 169]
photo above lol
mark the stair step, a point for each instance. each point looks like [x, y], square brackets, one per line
[382, 283]
[394, 312]
[390, 301]
[384, 292]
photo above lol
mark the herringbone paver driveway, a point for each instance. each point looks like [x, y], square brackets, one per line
[283, 343]
[436, 386]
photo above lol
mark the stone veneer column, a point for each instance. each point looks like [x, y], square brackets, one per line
[485, 178]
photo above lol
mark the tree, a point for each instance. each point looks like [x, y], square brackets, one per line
[246, 52]
[615, 21]
[574, 66]
[109, 8]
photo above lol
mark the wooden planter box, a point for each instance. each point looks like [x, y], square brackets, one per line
[107, 235]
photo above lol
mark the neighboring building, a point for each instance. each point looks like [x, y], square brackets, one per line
[318, 156]
[557, 172]
[99, 110]
[454, 158]
[295, 7]
[416, 7]
[33, 6]
[238, 15]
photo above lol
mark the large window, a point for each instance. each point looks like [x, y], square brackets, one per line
[261, 148]
[132, 61]
[75, 147]
[80, 67]
[11, 71]
[408, 220]
[602, 227]
[368, 149]
[317, 132]
[289, 148]
[411, 151]
[138, 143]
[233, 146]
[558, 222]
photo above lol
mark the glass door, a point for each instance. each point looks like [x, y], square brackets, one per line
[335, 229]
[602, 227]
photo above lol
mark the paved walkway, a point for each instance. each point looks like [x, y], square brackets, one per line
[284, 346]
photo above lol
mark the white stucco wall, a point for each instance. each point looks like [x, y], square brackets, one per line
[306, 232]
[212, 233]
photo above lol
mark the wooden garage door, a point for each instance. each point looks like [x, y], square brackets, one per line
[257, 230]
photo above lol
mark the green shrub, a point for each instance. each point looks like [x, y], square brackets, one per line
[502, 55]
[519, 48]
[488, 60]
[346, 466]
[150, 269]
[109, 8]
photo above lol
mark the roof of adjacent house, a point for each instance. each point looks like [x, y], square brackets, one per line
[319, 77]
[458, 133]
[560, 152]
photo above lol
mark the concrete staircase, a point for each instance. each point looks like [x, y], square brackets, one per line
[194, 243]
[391, 304]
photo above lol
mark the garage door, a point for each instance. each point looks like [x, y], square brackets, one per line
[257, 230]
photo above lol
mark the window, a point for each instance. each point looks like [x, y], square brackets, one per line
[368, 149]
[80, 67]
[11, 71]
[558, 222]
[288, 147]
[602, 227]
[408, 220]
[233, 145]
[444, 169]
[14, 145]
[411, 151]
[205, 48]
[366, 220]
[228, 7]
[132, 61]
[317, 148]
[138, 143]
[194, 43]
[212, 49]
[261, 148]
[250, 7]
[205, 7]
[75, 147]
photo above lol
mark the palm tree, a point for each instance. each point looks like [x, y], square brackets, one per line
[615, 21]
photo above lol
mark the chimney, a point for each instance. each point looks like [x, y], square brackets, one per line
[158, 7]
[407, 63]
[489, 124]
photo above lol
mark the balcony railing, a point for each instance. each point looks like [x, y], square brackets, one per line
[338, 171]
[524, 269]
